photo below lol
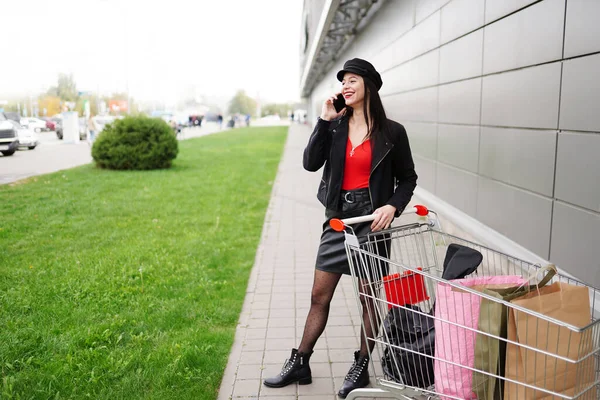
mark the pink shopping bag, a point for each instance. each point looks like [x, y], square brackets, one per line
[455, 311]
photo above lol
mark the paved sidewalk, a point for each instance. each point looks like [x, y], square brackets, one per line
[278, 294]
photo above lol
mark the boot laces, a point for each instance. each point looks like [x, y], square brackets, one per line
[356, 370]
[287, 365]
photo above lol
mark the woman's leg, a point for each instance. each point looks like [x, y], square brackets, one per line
[358, 375]
[296, 368]
[369, 316]
[322, 292]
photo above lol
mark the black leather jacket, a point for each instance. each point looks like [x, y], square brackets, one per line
[392, 180]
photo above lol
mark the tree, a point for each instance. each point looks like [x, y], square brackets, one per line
[66, 89]
[242, 104]
[275, 108]
[50, 103]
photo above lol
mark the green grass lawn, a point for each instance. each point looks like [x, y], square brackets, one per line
[124, 285]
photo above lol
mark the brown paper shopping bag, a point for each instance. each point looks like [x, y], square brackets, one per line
[566, 303]
[490, 352]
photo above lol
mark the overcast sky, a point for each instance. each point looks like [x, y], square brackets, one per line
[161, 49]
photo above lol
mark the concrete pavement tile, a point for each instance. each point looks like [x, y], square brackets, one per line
[338, 380]
[318, 386]
[260, 305]
[248, 372]
[321, 344]
[251, 357]
[378, 369]
[228, 394]
[256, 323]
[319, 397]
[276, 356]
[253, 345]
[226, 389]
[278, 393]
[264, 289]
[259, 298]
[281, 333]
[302, 312]
[340, 369]
[339, 321]
[282, 296]
[281, 322]
[257, 333]
[283, 289]
[280, 344]
[284, 282]
[241, 398]
[281, 312]
[349, 342]
[288, 304]
[246, 388]
[269, 370]
[259, 314]
[342, 355]
[320, 370]
[305, 268]
[319, 356]
[340, 331]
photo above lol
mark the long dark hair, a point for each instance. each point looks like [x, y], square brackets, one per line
[378, 123]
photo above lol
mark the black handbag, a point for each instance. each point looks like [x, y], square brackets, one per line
[411, 336]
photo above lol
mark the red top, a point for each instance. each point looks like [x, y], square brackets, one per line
[358, 166]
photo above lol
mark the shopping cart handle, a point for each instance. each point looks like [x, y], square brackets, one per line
[339, 224]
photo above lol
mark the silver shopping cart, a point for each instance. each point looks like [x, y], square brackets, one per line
[428, 347]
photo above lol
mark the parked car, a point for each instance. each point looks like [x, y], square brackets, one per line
[103, 120]
[50, 124]
[34, 124]
[27, 138]
[12, 115]
[9, 141]
[82, 129]
[58, 129]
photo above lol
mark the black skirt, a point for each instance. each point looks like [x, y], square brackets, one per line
[332, 256]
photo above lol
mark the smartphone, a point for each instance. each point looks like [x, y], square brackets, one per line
[339, 103]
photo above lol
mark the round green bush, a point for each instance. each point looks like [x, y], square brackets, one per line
[135, 143]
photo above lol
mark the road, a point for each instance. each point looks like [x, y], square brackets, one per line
[54, 155]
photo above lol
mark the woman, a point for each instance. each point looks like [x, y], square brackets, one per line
[92, 129]
[368, 169]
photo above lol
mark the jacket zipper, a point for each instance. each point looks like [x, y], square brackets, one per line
[371, 173]
[330, 151]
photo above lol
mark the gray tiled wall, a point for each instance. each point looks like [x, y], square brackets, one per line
[500, 100]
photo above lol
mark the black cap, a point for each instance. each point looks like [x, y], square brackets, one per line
[362, 68]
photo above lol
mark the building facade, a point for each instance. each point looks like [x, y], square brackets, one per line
[501, 102]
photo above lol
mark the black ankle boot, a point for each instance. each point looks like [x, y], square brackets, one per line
[295, 369]
[357, 377]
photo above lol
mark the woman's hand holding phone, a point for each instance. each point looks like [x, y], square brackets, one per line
[329, 111]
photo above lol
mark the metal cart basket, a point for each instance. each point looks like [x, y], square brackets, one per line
[400, 272]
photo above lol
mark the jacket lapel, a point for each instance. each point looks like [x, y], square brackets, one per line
[379, 150]
[339, 143]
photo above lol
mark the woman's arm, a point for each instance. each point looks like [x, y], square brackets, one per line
[404, 170]
[317, 150]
